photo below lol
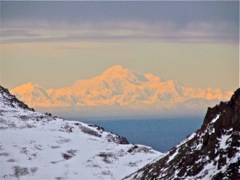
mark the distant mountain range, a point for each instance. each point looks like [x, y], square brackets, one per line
[120, 90]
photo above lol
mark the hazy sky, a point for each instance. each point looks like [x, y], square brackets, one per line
[56, 43]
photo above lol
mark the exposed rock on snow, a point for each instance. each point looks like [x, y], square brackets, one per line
[212, 152]
[9, 100]
[34, 145]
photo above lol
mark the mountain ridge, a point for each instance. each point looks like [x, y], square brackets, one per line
[11, 100]
[118, 86]
[33, 145]
[212, 152]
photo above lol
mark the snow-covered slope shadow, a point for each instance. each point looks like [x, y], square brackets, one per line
[34, 145]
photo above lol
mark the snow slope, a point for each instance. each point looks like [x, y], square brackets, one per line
[34, 145]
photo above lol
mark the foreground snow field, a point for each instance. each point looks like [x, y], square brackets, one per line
[39, 146]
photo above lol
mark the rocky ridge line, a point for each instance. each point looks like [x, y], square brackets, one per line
[11, 100]
[212, 152]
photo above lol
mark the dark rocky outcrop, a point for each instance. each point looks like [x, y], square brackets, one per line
[11, 100]
[212, 152]
[112, 136]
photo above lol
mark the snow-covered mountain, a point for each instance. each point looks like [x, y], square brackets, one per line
[34, 145]
[121, 87]
[212, 152]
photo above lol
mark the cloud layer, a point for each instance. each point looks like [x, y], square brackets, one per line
[116, 31]
[111, 21]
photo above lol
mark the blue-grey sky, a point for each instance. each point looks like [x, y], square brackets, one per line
[211, 21]
[194, 42]
[78, 12]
